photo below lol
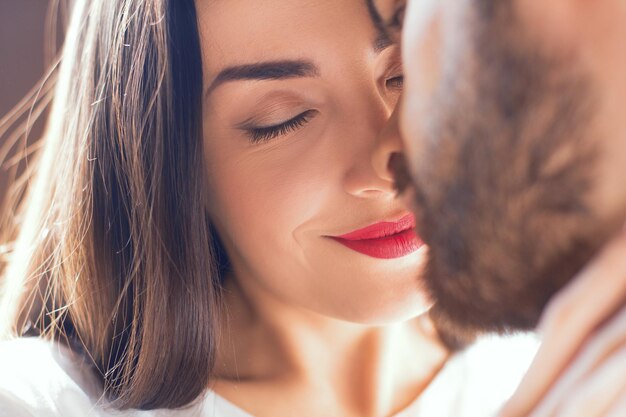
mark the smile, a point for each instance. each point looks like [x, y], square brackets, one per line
[384, 240]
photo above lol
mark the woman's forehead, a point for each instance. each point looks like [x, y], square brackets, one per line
[237, 32]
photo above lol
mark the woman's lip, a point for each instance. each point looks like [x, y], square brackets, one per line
[381, 229]
[384, 240]
[388, 247]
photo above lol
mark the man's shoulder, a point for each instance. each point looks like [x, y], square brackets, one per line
[495, 353]
[495, 365]
[477, 381]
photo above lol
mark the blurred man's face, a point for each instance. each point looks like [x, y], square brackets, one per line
[514, 123]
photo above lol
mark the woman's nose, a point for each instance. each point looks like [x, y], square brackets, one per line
[371, 175]
[388, 146]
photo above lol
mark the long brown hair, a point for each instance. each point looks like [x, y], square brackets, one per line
[110, 247]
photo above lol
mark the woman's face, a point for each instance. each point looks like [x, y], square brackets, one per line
[296, 92]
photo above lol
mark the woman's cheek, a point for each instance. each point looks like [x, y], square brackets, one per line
[264, 197]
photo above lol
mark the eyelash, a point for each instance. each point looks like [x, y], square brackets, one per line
[395, 82]
[267, 133]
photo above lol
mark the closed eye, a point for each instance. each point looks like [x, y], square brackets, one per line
[266, 133]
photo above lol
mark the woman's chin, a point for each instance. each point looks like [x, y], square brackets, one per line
[381, 313]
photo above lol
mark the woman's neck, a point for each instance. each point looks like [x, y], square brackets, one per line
[371, 370]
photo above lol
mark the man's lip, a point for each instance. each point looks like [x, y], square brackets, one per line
[381, 229]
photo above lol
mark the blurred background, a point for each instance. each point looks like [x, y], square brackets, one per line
[22, 25]
[25, 52]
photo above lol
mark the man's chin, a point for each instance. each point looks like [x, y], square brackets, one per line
[502, 294]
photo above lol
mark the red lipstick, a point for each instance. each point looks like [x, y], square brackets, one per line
[384, 240]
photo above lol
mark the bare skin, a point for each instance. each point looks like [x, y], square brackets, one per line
[527, 65]
[309, 325]
[321, 366]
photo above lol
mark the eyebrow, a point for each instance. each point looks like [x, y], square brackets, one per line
[284, 69]
[382, 41]
[271, 70]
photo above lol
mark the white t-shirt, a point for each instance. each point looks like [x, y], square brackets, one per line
[39, 378]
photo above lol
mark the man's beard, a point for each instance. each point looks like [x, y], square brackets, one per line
[503, 184]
